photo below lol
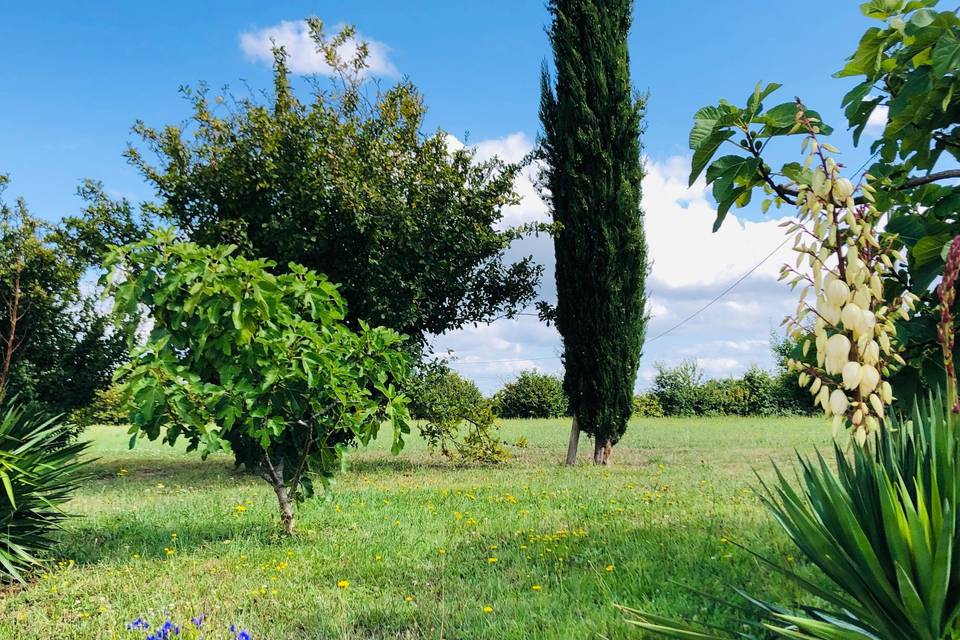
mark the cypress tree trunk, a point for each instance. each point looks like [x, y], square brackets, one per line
[574, 443]
[590, 148]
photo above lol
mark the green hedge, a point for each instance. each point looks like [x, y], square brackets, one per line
[531, 395]
[682, 391]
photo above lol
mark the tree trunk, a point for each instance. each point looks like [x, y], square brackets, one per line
[574, 443]
[13, 310]
[274, 475]
[286, 509]
[602, 451]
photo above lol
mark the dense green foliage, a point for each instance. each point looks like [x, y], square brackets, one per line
[883, 528]
[909, 66]
[531, 395]
[241, 357]
[455, 417]
[347, 184]
[109, 406]
[658, 518]
[56, 348]
[682, 391]
[647, 405]
[38, 474]
[592, 122]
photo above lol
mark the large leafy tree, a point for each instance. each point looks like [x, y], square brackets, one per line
[241, 356]
[909, 72]
[592, 121]
[348, 184]
[56, 348]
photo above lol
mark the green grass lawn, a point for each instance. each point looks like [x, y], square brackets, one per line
[424, 546]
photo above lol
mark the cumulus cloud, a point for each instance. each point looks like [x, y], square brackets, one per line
[691, 266]
[877, 121]
[512, 148]
[302, 55]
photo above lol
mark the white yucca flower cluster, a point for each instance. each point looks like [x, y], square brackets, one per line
[854, 329]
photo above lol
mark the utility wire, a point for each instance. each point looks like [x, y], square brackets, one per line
[720, 295]
[659, 335]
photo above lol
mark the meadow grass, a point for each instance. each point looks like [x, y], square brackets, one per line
[413, 547]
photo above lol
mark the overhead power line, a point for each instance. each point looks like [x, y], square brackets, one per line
[690, 317]
[721, 294]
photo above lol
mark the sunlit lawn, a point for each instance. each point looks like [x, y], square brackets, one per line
[424, 546]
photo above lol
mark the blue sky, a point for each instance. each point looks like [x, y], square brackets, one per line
[77, 75]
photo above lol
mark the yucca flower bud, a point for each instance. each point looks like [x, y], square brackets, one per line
[860, 436]
[838, 352]
[823, 398]
[886, 392]
[815, 387]
[851, 375]
[837, 292]
[842, 189]
[850, 316]
[869, 379]
[838, 402]
[877, 404]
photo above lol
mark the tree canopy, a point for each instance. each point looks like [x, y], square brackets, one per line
[56, 348]
[241, 356]
[347, 184]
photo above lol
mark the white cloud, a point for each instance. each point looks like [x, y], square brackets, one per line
[302, 56]
[512, 148]
[691, 266]
[877, 121]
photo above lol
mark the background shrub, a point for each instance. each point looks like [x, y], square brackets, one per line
[678, 388]
[531, 395]
[682, 391]
[455, 417]
[108, 407]
[647, 405]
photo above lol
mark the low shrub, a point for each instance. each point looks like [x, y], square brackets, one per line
[678, 388]
[108, 407]
[682, 391]
[38, 473]
[647, 405]
[531, 395]
[455, 417]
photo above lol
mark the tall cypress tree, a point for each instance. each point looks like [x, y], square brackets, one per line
[592, 121]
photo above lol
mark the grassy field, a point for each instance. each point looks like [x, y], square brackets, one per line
[526, 550]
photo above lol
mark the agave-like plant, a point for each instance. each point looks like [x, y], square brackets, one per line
[883, 528]
[39, 469]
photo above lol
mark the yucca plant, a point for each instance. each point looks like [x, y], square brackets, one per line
[39, 469]
[883, 528]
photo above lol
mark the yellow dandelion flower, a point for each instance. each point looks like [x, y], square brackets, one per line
[610, 568]
[408, 599]
[536, 587]
[378, 557]
[487, 608]
[491, 560]
[343, 584]
[240, 508]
